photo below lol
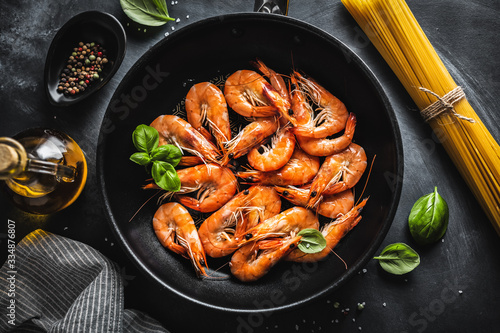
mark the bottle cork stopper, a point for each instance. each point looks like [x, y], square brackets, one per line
[9, 158]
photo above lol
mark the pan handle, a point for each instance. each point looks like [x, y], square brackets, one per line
[271, 6]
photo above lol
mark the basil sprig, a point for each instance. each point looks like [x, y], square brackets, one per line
[312, 241]
[398, 258]
[147, 12]
[164, 158]
[428, 218]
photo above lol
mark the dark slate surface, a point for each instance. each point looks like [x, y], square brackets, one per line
[455, 288]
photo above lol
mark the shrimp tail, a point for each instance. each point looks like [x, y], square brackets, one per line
[189, 202]
[179, 249]
[266, 110]
[206, 133]
[338, 187]
[251, 176]
[190, 161]
[350, 125]
[151, 186]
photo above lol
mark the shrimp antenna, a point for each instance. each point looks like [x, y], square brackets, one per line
[157, 192]
[367, 178]
[217, 278]
[345, 264]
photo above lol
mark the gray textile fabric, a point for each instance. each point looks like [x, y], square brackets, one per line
[61, 285]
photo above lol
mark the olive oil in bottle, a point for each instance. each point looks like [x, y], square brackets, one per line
[44, 170]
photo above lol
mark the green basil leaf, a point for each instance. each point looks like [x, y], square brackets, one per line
[165, 176]
[140, 158]
[146, 12]
[312, 241]
[428, 218]
[167, 153]
[398, 258]
[145, 138]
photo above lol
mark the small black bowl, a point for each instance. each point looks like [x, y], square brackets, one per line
[87, 27]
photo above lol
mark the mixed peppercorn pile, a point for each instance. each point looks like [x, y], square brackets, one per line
[84, 66]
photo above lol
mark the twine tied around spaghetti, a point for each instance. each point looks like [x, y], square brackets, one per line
[444, 104]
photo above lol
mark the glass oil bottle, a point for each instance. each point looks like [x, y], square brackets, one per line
[44, 170]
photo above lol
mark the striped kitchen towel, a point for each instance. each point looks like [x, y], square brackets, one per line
[60, 285]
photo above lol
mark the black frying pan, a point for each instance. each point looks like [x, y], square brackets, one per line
[211, 49]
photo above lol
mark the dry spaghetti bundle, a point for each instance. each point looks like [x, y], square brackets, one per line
[396, 34]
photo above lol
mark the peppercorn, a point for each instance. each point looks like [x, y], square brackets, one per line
[83, 66]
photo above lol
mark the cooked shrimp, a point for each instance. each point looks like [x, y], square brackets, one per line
[177, 131]
[338, 173]
[244, 92]
[217, 231]
[275, 155]
[333, 233]
[250, 95]
[332, 115]
[254, 260]
[264, 202]
[176, 231]
[332, 206]
[205, 104]
[252, 135]
[300, 169]
[287, 223]
[215, 185]
[326, 146]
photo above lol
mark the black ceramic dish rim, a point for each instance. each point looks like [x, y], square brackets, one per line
[119, 33]
[395, 133]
